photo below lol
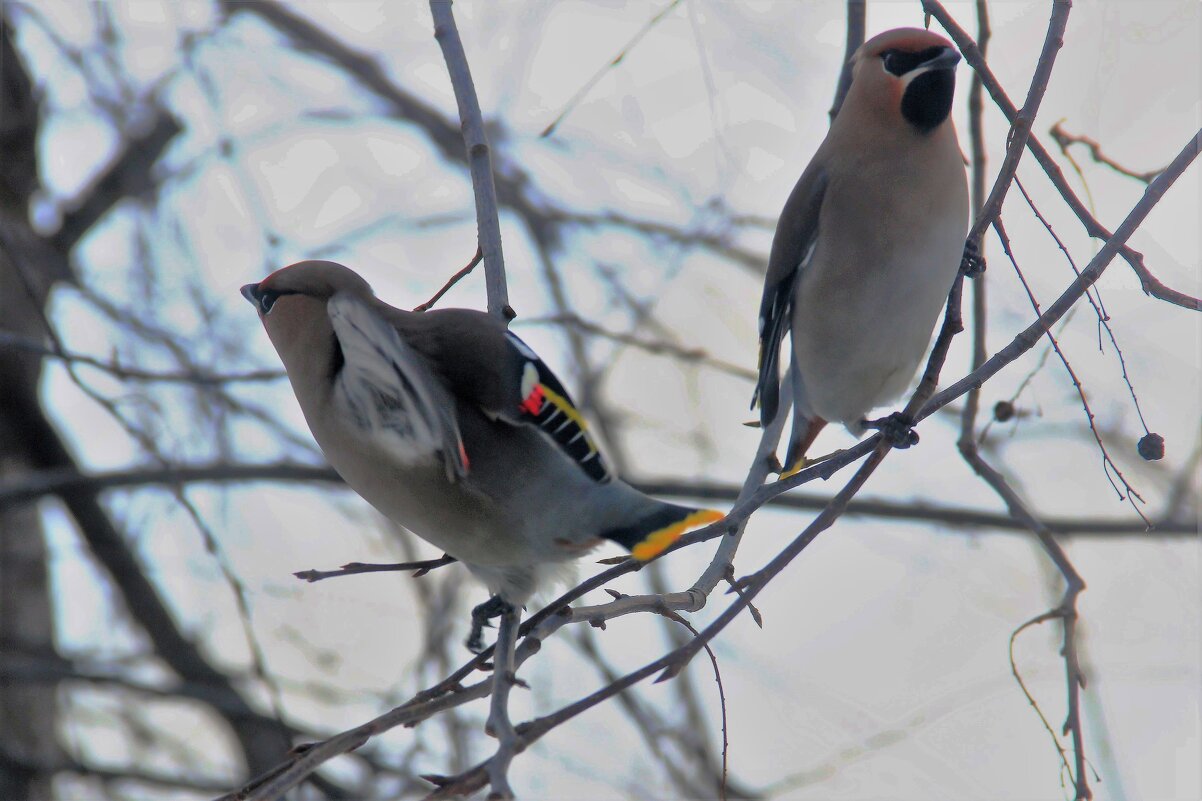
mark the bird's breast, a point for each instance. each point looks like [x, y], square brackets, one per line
[869, 297]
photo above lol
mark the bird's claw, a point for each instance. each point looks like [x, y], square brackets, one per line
[897, 428]
[481, 615]
[972, 264]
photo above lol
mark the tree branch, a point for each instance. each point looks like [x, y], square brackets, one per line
[972, 54]
[1020, 124]
[49, 482]
[1027, 338]
[857, 11]
[478, 156]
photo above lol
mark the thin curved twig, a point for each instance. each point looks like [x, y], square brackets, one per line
[972, 54]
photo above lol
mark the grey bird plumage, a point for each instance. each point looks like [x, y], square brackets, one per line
[868, 244]
[451, 426]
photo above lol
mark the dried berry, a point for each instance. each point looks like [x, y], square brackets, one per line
[1151, 447]
[1003, 411]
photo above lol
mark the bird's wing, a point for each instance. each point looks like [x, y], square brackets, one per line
[538, 399]
[792, 246]
[389, 391]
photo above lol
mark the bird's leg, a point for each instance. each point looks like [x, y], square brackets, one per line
[493, 607]
[897, 428]
[809, 461]
[805, 431]
[973, 262]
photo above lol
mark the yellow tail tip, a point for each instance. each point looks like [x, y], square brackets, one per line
[658, 541]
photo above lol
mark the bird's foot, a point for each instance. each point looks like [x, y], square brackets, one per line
[493, 607]
[808, 461]
[897, 428]
[972, 264]
[794, 469]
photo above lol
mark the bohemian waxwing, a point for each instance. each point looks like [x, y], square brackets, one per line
[451, 426]
[868, 244]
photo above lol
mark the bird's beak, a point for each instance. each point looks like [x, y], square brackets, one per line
[947, 59]
[251, 293]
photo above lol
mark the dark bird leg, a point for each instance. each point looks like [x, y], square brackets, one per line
[493, 607]
[897, 428]
[805, 431]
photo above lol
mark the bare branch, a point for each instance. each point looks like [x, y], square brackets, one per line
[117, 370]
[583, 91]
[1128, 492]
[1026, 339]
[857, 11]
[499, 724]
[478, 156]
[657, 347]
[456, 278]
[1064, 139]
[50, 482]
[972, 55]
[1066, 611]
[1020, 125]
[419, 568]
[976, 125]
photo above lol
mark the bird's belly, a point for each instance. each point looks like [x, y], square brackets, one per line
[490, 519]
[858, 348]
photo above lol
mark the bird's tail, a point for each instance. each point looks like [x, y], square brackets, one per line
[650, 535]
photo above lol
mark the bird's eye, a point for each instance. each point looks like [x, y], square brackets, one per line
[267, 299]
[899, 62]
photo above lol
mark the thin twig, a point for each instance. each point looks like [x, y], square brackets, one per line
[1128, 492]
[856, 24]
[478, 157]
[715, 238]
[1099, 309]
[17, 342]
[1027, 338]
[583, 91]
[420, 569]
[653, 727]
[1022, 685]
[456, 278]
[1066, 611]
[972, 54]
[1020, 126]
[721, 695]
[657, 347]
[1064, 139]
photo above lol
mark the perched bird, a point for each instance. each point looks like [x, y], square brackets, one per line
[868, 245]
[451, 426]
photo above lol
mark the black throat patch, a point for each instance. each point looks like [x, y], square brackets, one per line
[928, 99]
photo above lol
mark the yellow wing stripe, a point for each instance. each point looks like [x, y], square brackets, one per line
[654, 543]
[569, 411]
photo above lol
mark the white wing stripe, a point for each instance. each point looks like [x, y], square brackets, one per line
[388, 390]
